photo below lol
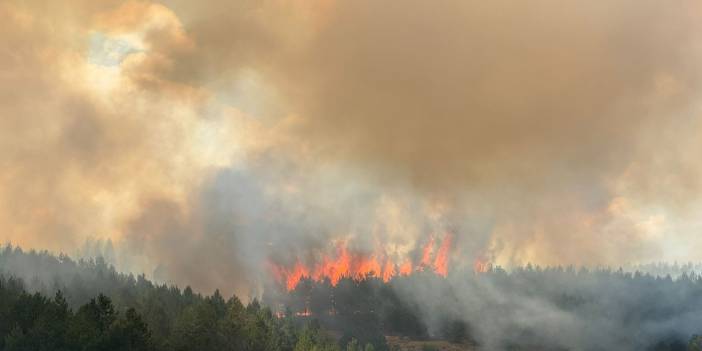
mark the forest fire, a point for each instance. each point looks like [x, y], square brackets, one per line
[347, 264]
[481, 265]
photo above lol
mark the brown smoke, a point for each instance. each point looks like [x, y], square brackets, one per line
[546, 131]
[467, 94]
[76, 153]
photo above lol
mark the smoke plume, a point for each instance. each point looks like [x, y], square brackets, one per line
[216, 137]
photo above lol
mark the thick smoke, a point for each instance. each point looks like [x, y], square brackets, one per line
[207, 139]
[542, 94]
[553, 123]
[545, 115]
[82, 145]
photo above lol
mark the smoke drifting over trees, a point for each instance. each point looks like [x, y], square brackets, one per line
[531, 308]
[134, 315]
[545, 132]
[211, 141]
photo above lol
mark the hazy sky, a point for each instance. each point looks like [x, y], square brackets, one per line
[205, 138]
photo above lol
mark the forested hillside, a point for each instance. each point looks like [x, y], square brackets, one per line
[50, 302]
[592, 309]
[87, 305]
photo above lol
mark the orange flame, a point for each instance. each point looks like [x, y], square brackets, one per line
[406, 268]
[388, 271]
[441, 260]
[481, 265]
[357, 266]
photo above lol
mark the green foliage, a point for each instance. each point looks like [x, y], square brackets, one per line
[95, 308]
[130, 333]
[138, 315]
[352, 345]
[41, 324]
[363, 329]
[313, 339]
[32, 322]
[196, 328]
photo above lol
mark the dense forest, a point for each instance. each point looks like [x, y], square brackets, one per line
[50, 302]
[93, 307]
[529, 308]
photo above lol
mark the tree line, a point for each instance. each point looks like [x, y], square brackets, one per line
[52, 302]
[527, 308]
[132, 313]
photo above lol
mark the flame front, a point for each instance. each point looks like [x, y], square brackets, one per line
[441, 260]
[481, 265]
[345, 264]
[426, 253]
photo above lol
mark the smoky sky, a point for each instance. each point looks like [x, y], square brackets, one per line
[226, 134]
